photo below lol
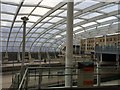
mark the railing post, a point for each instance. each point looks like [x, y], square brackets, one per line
[99, 58]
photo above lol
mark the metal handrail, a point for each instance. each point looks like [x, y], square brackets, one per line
[21, 83]
[63, 74]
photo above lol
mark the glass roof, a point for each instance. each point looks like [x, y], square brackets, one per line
[46, 26]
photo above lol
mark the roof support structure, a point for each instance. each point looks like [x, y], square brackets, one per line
[76, 14]
[13, 23]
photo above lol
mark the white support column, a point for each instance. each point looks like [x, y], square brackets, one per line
[24, 37]
[29, 54]
[105, 40]
[94, 43]
[69, 45]
[94, 46]
[98, 74]
[100, 57]
[86, 45]
[39, 56]
[18, 56]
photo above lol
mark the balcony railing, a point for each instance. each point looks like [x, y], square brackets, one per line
[48, 77]
[108, 49]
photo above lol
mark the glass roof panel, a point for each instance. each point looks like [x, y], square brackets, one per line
[31, 2]
[29, 24]
[56, 12]
[88, 24]
[103, 25]
[4, 39]
[28, 35]
[30, 39]
[38, 25]
[46, 45]
[4, 23]
[86, 4]
[12, 39]
[4, 43]
[91, 15]
[34, 35]
[63, 33]
[19, 39]
[39, 30]
[13, 34]
[51, 40]
[106, 19]
[41, 40]
[46, 19]
[40, 11]
[20, 35]
[55, 19]
[46, 25]
[62, 26]
[13, 1]
[25, 10]
[77, 20]
[110, 9]
[15, 29]
[3, 29]
[11, 44]
[33, 18]
[7, 16]
[54, 45]
[17, 24]
[76, 28]
[54, 31]
[47, 35]
[57, 37]
[38, 44]
[4, 34]
[63, 13]
[16, 44]
[79, 32]
[8, 8]
[50, 3]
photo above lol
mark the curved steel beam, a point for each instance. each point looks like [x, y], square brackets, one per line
[18, 9]
[76, 14]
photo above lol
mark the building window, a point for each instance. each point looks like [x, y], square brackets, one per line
[110, 39]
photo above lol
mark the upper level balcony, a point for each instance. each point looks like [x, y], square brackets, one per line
[111, 49]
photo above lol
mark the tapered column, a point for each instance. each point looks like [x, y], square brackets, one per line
[69, 45]
[24, 37]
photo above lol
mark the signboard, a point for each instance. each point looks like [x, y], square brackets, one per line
[85, 74]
